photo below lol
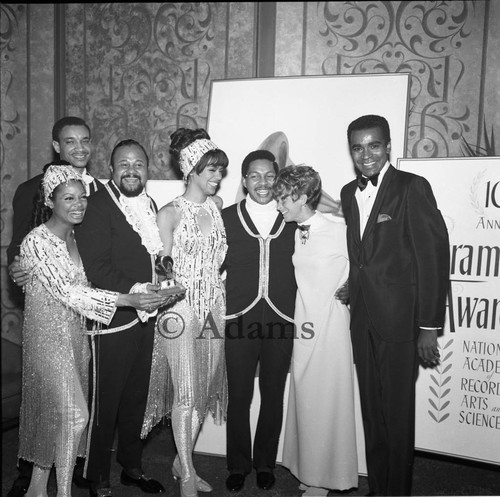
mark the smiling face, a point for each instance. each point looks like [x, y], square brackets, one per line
[68, 202]
[130, 170]
[259, 181]
[369, 150]
[74, 145]
[292, 210]
[208, 180]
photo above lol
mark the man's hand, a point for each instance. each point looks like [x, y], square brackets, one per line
[342, 293]
[142, 301]
[428, 346]
[17, 273]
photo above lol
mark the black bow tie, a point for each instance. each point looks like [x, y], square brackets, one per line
[362, 181]
[303, 227]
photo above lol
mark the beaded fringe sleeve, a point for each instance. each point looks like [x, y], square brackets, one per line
[46, 257]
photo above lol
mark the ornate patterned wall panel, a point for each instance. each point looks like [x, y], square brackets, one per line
[442, 44]
[289, 38]
[241, 40]
[141, 70]
[27, 113]
[491, 103]
[74, 63]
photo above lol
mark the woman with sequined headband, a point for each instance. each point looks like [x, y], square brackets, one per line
[56, 353]
[320, 440]
[188, 377]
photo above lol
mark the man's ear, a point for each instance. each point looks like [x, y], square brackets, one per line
[56, 146]
[388, 147]
[111, 170]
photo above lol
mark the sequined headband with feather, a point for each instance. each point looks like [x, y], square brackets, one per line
[190, 155]
[54, 176]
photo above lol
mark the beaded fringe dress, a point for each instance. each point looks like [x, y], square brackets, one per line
[56, 351]
[188, 365]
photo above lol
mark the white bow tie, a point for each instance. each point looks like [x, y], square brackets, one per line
[86, 178]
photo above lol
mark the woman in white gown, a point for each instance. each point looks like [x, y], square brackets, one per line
[320, 438]
[56, 352]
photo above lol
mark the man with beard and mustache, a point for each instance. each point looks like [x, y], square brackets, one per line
[118, 241]
[260, 301]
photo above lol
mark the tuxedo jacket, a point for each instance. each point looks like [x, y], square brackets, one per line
[258, 268]
[400, 267]
[23, 205]
[112, 252]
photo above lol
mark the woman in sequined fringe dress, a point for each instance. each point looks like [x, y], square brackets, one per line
[56, 353]
[188, 375]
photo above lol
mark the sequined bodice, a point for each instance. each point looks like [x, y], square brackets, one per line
[198, 256]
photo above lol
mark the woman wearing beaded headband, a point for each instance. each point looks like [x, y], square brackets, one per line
[56, 353]
[188, 372]
[319, 442]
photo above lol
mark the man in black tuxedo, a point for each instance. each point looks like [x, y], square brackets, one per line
[260, 301]
[118, 241]
[399, 269]
[71, 139]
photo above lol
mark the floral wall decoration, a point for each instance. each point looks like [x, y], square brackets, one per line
[147, 71]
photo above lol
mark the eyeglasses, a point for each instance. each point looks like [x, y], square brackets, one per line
[254, 177]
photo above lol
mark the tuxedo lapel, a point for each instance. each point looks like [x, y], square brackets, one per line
[354, 214]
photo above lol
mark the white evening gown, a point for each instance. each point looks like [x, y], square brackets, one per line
[320, 436]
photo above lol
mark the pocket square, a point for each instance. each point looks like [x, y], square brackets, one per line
[383, 217]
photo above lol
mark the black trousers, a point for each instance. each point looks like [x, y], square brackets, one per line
[123, 366]
[260, 336]
[387, 372]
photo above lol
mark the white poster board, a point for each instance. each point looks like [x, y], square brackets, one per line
[458, 403]
[303, 120]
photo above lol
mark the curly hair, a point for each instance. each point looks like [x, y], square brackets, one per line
[183, 137]
[298, 180]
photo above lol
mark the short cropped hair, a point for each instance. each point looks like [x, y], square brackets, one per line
[258, 155]
[67, 121]
[298, 180]
[127, 143]
[370, 121]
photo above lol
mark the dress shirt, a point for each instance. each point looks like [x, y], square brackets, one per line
[263, 216]
[366, 199]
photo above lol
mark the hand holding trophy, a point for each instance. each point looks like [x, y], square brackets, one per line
[168, 286]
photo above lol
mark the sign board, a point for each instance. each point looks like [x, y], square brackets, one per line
[458, 402]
